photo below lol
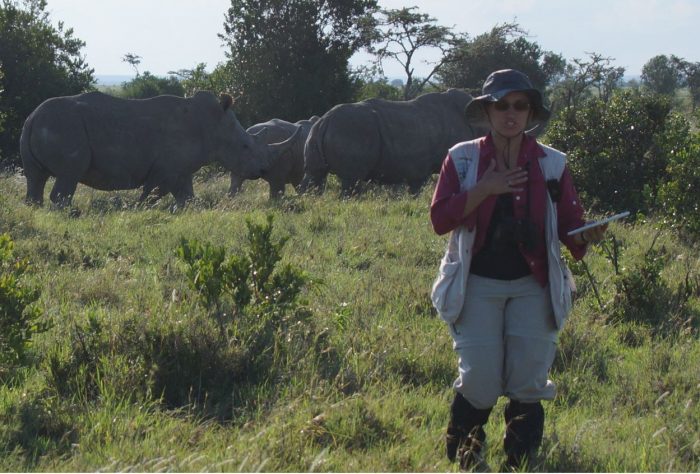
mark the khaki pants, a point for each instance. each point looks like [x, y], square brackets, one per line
[506, 340]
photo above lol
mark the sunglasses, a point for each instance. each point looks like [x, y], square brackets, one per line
[518, 105]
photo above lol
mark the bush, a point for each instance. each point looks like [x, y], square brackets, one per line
[265, 332]
[644, 297]
[147, 85]
[680, 194]
[20, 319]
[616, 151]
[248, 280]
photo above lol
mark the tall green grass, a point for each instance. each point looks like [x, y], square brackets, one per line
[130, 376]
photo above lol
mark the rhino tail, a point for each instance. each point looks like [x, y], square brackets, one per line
[315, 163]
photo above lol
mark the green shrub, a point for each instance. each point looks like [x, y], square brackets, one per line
[20, 319]
[615, 153]
[212, 274]
[680, 194]
[265, 332]
[643, 296]
[249, 280]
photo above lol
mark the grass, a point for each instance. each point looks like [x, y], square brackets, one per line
[359, 382]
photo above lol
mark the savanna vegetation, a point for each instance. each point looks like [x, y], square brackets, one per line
[297, 334]
[180, 342]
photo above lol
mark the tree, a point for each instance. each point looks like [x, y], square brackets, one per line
[581, 78]
[369, 86]
[133, 60]
[505, 47]
[399, 36]
[39, 61]
[198, 79]
[289, 58]
[661, 75]
[690, 76]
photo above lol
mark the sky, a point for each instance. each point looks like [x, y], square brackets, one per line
[179, 34]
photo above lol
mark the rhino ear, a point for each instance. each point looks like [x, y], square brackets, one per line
[226, 101]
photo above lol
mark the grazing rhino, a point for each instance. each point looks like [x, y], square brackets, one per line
[385, 141]
[109, 143]
[287, 167]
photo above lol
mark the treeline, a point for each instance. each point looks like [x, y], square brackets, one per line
[627, 145]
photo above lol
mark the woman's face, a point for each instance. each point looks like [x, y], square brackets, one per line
[510, 115]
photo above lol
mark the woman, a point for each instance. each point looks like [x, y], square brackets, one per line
[506, 333]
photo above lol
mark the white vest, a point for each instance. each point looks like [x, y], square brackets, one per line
[448, 291]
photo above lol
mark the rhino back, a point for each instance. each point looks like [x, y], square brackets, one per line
[417, 134]
[394, 141]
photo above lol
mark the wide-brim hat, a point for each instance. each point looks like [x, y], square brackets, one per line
[498, 85]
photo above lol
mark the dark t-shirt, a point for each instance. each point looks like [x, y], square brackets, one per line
[500, 257]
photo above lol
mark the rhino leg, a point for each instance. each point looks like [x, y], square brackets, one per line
[414, 187]
[313, 184]
[183, 191]
[147, 188]
[35, 188]
[236, 185]
[63, 190]
[276, 189]
[349, 186]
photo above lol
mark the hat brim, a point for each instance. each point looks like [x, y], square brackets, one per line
[476, 113]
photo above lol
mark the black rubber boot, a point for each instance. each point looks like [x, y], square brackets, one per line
[464, 429]
[524, 430]
[470, 452]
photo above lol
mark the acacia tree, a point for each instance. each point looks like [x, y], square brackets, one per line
[134, 60]
[39, 61]
[401, 34]
[289, 58]
[582, 77]
[470, 62]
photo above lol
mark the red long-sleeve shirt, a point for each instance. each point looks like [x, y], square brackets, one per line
[447, 207]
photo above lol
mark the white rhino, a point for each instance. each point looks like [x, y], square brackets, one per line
[386, 141]
[109, 143]
[284, 168]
